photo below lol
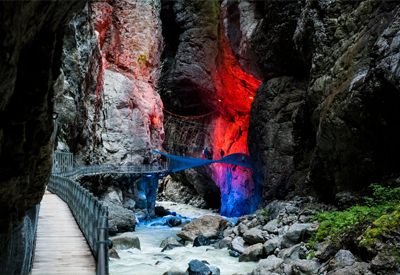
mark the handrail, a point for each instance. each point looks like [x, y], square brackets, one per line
[80, 171]
[90, 214]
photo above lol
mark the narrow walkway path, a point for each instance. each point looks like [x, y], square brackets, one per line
[61, 247]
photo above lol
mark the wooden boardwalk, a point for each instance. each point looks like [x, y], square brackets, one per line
[61, 247]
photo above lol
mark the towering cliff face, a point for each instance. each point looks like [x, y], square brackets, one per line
[335, 129]
[200, 74]
[109, 110]
[29, 64]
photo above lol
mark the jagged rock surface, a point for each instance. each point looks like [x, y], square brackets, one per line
[333, 135]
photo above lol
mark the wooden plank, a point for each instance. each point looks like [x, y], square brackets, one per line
[61, 247]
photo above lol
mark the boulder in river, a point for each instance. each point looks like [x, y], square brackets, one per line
[197, 267]
[234, 253]
[238, 245]
[225, 242]
[161, 211]
[125, 241]
[208, 226]
[170, 247]
[112, 253]
[201, 241]
[174, 221]
[169, 240]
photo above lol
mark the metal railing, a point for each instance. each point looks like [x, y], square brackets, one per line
[89, 212]
[78, 172]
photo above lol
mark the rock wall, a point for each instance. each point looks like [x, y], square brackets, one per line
[331, 125]
[30, 58]
[200, 74]
[109, 110]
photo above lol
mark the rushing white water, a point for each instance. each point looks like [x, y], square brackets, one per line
[149, 260]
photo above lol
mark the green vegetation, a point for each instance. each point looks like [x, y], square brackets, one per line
[311, 255]
[265, 213]
[385, 200]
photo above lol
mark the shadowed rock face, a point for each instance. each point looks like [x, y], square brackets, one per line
[30, 48]
[334, 130]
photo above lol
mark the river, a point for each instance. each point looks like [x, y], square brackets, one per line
[150, 261]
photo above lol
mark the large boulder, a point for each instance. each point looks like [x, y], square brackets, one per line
[252, 253]
[169, 240]
[254, 236]
[208, 226]
[295, 234]
[126, 241]
[267, 266]
[238, 245]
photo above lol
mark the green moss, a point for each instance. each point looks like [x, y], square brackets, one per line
[311, 255]
[375, 211]
[265, 213]
[383, 224]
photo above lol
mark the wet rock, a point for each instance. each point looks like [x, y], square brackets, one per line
[160, 211]
[197, 267]
[234, 253]
[252, 253]
[201, 241]
[305, 267]
[293, 253]
[169, 240]
[254, 236]
[174, 221]
[238, 245]
[295, 234]
[327, 251]
[224, 243]
[208, 226]
[126, 241]
[267, 266]
[214, 270]
[112, 253]
[270, 245]
[171, 246]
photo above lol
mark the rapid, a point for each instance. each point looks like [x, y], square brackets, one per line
[150, 261]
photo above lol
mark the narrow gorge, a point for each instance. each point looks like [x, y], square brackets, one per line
[306, 93]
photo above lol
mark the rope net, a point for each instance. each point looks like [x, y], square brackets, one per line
[187, 135]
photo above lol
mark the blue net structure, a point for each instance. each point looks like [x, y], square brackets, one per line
[179, 163]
